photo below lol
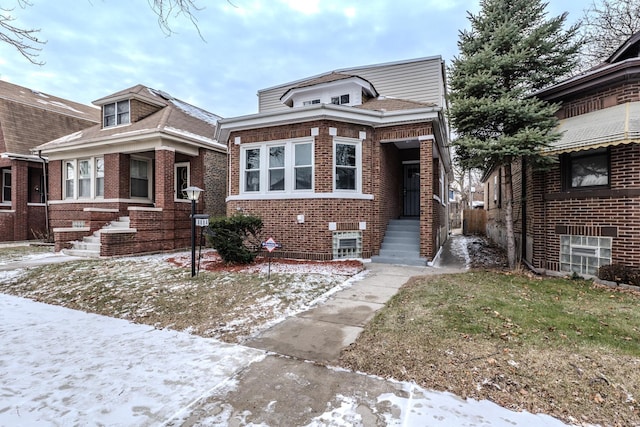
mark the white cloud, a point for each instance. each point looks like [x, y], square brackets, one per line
[307, 7]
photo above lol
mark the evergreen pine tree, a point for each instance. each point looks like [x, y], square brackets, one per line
[511, 51]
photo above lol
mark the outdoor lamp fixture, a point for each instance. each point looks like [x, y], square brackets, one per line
[193, 194]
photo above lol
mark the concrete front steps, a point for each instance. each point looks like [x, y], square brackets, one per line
[90, 245]
[401, 244]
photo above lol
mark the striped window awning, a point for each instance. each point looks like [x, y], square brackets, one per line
[602, 128]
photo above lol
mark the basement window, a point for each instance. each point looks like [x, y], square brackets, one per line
[584, 254]
[347, 244]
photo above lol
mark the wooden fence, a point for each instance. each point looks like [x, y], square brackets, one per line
[474, 221]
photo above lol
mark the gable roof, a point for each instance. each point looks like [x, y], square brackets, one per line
[175, 120]
[629, 49]
[623, 64]
[29, 118]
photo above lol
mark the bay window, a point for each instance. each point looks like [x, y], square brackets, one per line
[83, 178]
[288, 167]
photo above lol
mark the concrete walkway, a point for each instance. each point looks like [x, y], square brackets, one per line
[320, 334]
[292, 384]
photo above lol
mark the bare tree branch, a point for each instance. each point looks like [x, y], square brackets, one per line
[606, 25]
[26, 41]
[166, 10]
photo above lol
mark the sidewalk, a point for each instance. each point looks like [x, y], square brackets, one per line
[64, 366]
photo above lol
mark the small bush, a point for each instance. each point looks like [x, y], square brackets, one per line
[236, 238]
[620, 274]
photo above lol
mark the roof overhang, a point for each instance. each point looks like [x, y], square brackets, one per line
[123, 96]
[602, 128]
[287, 98]
[23, 157]
[337, 113]
[596, 78]
[130, 142]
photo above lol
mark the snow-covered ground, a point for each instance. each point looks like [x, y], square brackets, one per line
[60, 367]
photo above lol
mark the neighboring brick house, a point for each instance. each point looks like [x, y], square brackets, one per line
[329, 160]
[585, 211]
[116, 188]
[29, 118]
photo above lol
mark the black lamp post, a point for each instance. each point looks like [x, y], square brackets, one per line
[193, 194]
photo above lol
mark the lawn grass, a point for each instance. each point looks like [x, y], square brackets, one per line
[226, 305]
[564, 347]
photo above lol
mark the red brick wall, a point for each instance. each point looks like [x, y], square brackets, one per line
[586, 214]
[138, 110]
[214, 182]
[381, 177]
[550, 211]
[629, 91]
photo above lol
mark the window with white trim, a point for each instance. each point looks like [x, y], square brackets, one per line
[83, 178]
[311, 102]
[347, 164]
[251, 168]
[6, 185]
[276, 168]
[140, 177]
[99, 181]
[288, 167]
[303, 166]
[182, 179]
[340, 100]
[116, 113]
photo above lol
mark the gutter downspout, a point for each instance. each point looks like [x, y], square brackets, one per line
[45, 189]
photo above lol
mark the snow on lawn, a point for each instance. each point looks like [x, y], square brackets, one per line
[64, 367]
[230, 303]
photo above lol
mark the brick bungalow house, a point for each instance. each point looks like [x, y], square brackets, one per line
[116, 187]
[585, 211]
[329, 161]
[29, 118]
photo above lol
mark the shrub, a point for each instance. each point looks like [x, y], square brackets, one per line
[236, 238]
[620, 274]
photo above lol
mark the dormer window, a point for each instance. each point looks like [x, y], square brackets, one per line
[312, 102]
[116, 113]
[339, 100]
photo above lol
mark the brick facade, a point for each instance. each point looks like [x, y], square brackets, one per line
[381, 178]
[162, 225]
[549, 211]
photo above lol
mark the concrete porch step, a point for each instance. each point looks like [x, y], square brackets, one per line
[383, 259]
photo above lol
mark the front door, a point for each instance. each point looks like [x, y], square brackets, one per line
[411, 189]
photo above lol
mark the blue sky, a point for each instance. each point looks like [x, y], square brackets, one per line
[97, 47]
